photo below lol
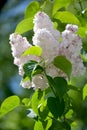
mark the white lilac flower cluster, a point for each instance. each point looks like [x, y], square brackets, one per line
[70, 47]
[47, 38]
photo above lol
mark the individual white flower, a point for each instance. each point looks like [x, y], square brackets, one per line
[42, 20]
[18, 44]
[52, 70]
[47, 42]
[26, 84]
[72, 28]
[39, 81]
[20, 70]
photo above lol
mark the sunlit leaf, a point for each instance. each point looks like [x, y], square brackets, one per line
[26, 101]
[67, 17]
[84, 91]
[43, 110]
[59, 4]
[31, 9]
[69, 114]
[38, 126]
[49, 123]
[9, 104]
[82, 31]
[24, 26]
[33, 50]
[47, 7]
[35, 100]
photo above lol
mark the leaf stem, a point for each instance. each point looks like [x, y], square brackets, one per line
[50, 84]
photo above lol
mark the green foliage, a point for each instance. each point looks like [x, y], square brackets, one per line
[24, 26]
[43, 110]
[61, 86]
[29, 68]
[49, 123]
[33, 50]
[82, 31]
[35, 101]
[76, 99]
[9, 104]
[56, 106]
[62, 63]
[67, 103]
[47, 7]
[58, 4]
[84, 91]
[31, 9]
[79, 81]
[26, 102]
[38, 126]
[67, 17]
[56, 125]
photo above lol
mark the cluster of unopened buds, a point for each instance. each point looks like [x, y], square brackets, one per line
[48, 39]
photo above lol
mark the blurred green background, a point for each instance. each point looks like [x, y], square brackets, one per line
[11, 13]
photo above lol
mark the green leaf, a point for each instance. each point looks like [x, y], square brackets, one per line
[69, 114]
[38, 69]
[84, 91]
[56, 106]
[49, 123]
[58, 4]
[24, 26]
[79, 81]
[76, 99]
[56, 125]
[29, 68]
[36, 100]
[43, 110]
[51, 83]
[9, 104]
[60, 86]
[47, 7]
[62, 63]
[67, 103]
[26, 101]
[38, 126]
[67, 17]
[33, 50]
[31, 9]
[82, 31]
[66, 126]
